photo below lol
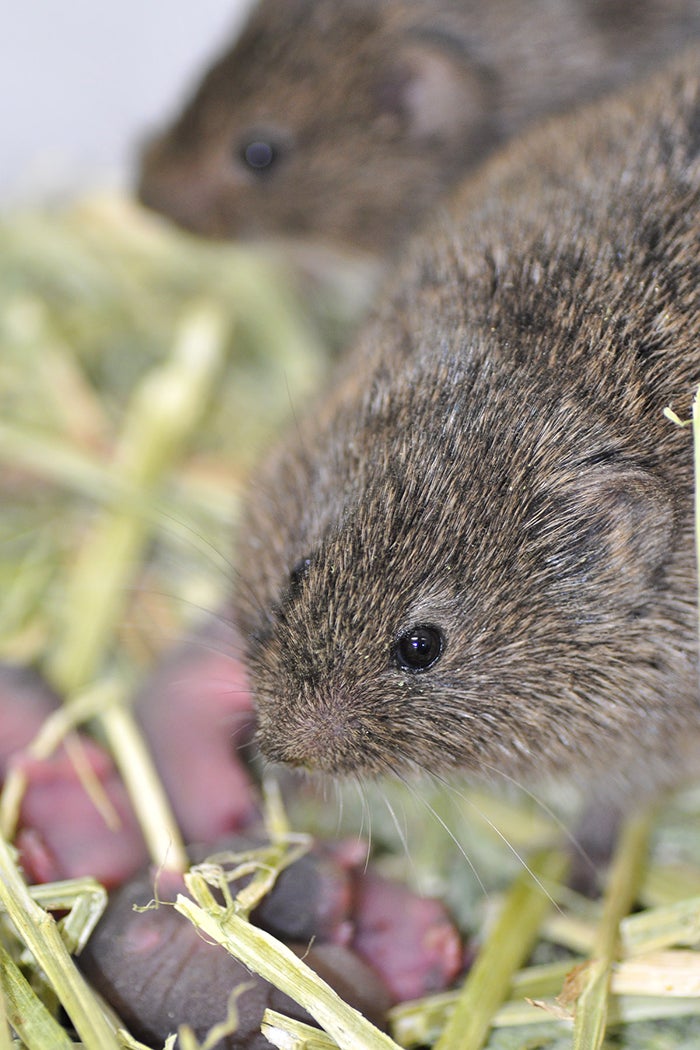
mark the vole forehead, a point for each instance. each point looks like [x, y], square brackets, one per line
[398, 525]
[389, 579]
[274, 70]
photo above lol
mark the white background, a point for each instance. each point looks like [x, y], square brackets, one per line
[83, 81]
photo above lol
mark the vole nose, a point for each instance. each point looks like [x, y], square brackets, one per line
[320, 740]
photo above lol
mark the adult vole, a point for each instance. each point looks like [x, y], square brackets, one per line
[343, 122]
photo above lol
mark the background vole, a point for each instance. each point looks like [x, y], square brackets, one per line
[343, 122]
[475, 551]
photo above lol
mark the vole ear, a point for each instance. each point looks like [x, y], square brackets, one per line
[620, 524]
[433, 89]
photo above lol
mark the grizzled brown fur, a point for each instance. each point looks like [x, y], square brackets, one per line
[492, 458]
[376, 107]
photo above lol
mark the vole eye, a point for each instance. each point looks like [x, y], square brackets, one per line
[419, 648]
[259, 154]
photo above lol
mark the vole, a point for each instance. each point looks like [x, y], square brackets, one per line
[475, 550]
[343, 123]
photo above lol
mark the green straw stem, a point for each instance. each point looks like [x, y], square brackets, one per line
[509, 944]
[39, 931]
[162, 415]
[625, 877]
[22, 1008]
[696, 473]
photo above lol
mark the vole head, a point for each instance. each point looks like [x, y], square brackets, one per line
[323, 121]
[458, 571]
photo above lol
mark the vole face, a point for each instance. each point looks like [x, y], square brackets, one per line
[422, 611]
[316, 126]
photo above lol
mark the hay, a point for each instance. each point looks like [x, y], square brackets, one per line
[140, 374]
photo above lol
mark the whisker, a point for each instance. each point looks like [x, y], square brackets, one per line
[217, 559]
[340, 806]
[178, 526]
[549, 812]
[360, 794]
[433, 812]
[366, 812]
[504, 838]
[402, 832]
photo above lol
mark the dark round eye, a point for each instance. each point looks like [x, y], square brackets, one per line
[419, 647]
[259, 155]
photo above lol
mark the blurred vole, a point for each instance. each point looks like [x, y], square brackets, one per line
[342, 122]
[476, 550]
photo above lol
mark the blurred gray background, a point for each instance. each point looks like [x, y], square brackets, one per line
[82, 82]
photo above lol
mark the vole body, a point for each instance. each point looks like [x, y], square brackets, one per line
[489, 481]
[344, 122]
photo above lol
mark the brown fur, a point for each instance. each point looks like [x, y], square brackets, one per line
[492, 458]
[380, 105]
